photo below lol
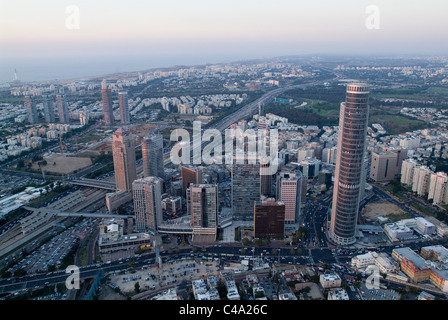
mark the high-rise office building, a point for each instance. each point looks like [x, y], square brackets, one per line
[289, 191]
[61, 104]
[152, 154]
[147, 195]
[123, 151]
[317, 147]
[386, 165]
[48, 104]
[106, 99]
[305, 152]
[31, 109]
[269, 219]
[329, 155]
[310, 167]
[190, 174]
[353, 120]
[246, 190]
[202, 205]
[124, 107]
[266, 180]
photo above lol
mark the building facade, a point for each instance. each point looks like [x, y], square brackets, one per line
[269, 219]
[31, 110]
[438, 188]
[152, 153]
[246, 189]
[353, 121]
[106, 100]
[386, 165]
[61, 104]
[147, 195]
[202, 205]
[123, 151]
[124, 107]
[420, 180]
[48, 104]
[407, 171]
[289, 191]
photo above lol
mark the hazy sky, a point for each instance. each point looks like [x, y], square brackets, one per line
[32, 29]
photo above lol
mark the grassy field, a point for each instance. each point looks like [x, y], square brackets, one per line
[395, 124]
[61, 164]
[393, 217]
[417, 94]
[438, 91]
[90, 137]
[423, 209]
[11, 100]
[323, 106]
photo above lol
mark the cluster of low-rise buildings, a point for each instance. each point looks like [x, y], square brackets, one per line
[332, 282]
[406, 229]
[406, 265]
[431, 265]
[435, 116]
[8, 204]
[206, 289]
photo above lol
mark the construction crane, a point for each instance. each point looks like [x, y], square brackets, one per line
[62, 144]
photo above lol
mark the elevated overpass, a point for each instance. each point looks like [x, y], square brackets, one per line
[78, 214]
[93, 183]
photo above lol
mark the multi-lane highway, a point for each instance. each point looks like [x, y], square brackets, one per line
[252, 108]
[231, 253]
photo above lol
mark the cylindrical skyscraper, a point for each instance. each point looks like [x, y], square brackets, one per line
[353, 120]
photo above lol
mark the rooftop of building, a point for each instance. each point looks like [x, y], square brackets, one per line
[330, 277]
[411, 255]
[441, 251]
[338, 294]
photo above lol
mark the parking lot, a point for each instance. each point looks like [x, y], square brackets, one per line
[378, 294]
[52, 252]
[152, 278]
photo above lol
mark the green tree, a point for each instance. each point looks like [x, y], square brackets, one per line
[222, 289]
[315, 278]
[19, 273]
[20, 164]
[121, 210]
[137, 287]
